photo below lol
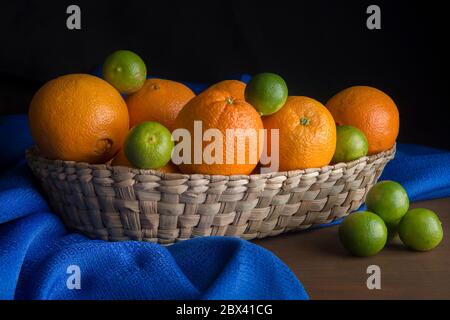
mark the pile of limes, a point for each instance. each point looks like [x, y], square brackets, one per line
[366, 233]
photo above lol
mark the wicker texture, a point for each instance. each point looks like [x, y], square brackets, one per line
[118, 203]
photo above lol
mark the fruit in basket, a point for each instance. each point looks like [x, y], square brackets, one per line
[169, 168]
[307, 134]
[230, 116]
[351, 144]
[267, 92]
[389, 200]
[371, 111]
[121, 160]
[149, 145]
[78, 117]
[158, 100]
[363, 234]
[235, 87]
[125, 70]
[421, 230]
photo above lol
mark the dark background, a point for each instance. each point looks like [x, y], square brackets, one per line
[319, 47]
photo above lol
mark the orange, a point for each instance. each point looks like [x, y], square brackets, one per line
[235, 87]
[221, 110]
[158, 100]
[121, 160]
[371, 111]
[78, 117]
[307, 134]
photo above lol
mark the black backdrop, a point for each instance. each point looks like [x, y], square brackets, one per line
[319, 47]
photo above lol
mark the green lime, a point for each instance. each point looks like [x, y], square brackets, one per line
[351, 144]
[420, 229]
[149, 145]
[125, 70]
[267, 92]
[389, 200]
[363, 234]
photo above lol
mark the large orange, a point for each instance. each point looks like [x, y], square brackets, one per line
[221, 110]
[371, 111]
[78, 117]
[158, 100]
[235, 87]
[307, 134]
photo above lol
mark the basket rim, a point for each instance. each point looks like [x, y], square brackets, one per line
[32, 153]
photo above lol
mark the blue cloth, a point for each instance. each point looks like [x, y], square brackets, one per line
[424, 172]
[36, 250]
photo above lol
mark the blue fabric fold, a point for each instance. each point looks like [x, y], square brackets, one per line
[424, 172]
[36, 251]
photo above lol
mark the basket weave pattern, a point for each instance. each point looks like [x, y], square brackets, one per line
[118, 203]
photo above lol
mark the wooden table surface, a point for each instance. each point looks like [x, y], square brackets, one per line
[328, 272]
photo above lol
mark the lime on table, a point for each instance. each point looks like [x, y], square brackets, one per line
[389, 200]
[149, 145]
[125, 70]
[267, 92]
[420, 230]
[351, 144]
[363, 234]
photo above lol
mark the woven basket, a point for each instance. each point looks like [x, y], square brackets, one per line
[117, 203]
